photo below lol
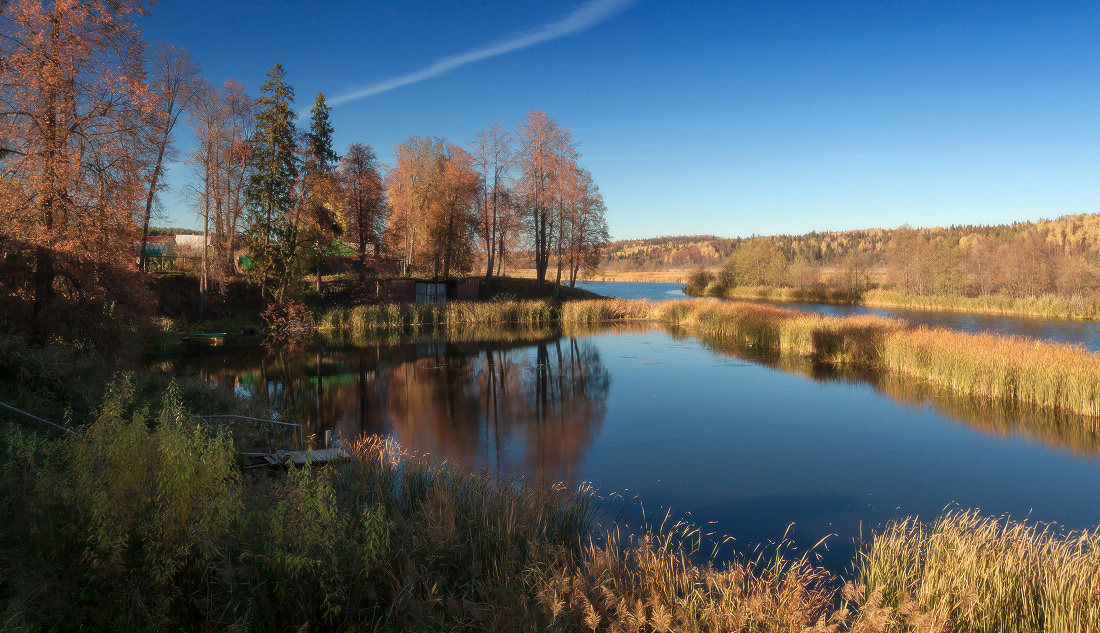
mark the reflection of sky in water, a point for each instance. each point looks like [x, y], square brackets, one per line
[680, 425]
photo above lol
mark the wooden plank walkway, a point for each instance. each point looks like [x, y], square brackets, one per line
[298, 458]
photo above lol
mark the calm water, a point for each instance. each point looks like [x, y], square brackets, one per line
[748, 444]
[1085, 333]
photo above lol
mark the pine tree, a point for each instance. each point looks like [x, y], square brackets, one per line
[272, 233]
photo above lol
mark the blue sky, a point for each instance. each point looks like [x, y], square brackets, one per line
[728, 118]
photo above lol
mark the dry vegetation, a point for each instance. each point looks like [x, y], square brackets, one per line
[397, 541]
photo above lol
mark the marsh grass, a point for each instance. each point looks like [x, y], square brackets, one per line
[1003, 368]
[993, 368]
[967, 572]
[1076, 306]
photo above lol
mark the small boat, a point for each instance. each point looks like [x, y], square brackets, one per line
[206, 338]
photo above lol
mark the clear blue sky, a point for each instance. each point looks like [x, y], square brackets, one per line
[729, 118]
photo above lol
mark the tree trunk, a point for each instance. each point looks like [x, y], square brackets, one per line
[43, 281]
[152, 194]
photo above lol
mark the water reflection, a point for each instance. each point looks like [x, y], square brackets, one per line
[1066, 432]
[531, 405]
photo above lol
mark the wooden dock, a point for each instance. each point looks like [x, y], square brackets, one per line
[281, 458]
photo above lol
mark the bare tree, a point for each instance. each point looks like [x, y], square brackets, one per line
[540, 138]
[494, 157]
[176, 81]
[222, 122]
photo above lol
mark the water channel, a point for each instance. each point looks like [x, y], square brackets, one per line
[1073, 332]
[744, 445]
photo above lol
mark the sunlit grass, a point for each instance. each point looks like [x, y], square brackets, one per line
[967, 572]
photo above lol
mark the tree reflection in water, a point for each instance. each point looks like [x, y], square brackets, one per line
[530, 408]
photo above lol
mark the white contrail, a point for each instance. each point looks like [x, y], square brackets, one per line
[583, 18]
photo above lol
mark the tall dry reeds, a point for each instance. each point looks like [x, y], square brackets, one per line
[966, 572]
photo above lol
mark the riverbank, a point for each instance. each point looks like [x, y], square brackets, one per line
[1047, 306]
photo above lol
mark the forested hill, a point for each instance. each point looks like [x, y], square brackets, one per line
[1072, 235]
[668, 252]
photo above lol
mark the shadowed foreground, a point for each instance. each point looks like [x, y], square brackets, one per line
[132, 524]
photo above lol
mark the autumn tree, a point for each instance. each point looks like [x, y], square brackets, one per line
[586, 232]
[176, 82]
[222, 121]
[494, 156]
[364, 200]
[412, 187]
[72, 100]
[222, 125]
[539, 158]
[453, 213]
[272, 232]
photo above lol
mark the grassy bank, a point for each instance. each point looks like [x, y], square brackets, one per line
[1045, 306]
[131, 525]
[141, 526]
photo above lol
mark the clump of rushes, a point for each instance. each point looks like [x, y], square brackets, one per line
[1003, 368]
[967, 572]
[1006, 369]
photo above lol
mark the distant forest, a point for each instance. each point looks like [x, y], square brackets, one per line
[1023, 259]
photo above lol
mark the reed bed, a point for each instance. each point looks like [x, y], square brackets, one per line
[428, 315]
[1050, 305]
[1008, 369]
[977, 574]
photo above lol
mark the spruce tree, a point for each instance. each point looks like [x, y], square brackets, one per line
[322, 157]
[272, 233]
[322, 203]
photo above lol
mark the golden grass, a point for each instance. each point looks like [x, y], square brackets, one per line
[1009, 369]
[1049, 305]
[967, 572]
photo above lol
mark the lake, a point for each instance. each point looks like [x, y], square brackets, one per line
[745, 445]
[1073, 332]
